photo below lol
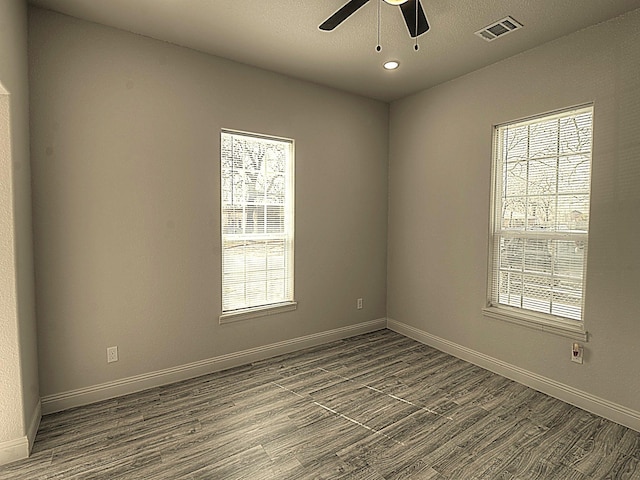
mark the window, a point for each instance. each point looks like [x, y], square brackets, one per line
[257, 225]
[540, 226]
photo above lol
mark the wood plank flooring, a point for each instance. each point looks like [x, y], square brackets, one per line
[377, 406]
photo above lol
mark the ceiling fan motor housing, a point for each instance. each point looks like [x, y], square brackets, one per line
[412, 12]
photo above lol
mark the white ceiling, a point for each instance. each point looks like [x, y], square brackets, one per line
[283, 35]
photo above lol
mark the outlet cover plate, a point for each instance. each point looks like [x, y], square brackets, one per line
[579, 358]
[112, 354]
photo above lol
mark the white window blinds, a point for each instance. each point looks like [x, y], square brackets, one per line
[542, 174]
[257, 221]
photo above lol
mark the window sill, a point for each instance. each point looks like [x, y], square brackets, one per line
[248, 313]
[564, 328]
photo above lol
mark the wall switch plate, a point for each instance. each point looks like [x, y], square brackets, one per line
[112, 354]
[359, 304]
[577, 353]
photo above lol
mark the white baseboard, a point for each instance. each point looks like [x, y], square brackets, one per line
[20, 448]
[14, 450]
[84, 396]
[586, 401]
[34, 424]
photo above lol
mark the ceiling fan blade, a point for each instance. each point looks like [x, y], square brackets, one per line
[341, 15]
[409, 13]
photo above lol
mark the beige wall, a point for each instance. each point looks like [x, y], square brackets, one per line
[11, 408]
[19, 395]
[125, 146]
[439, 188]
[125, 151]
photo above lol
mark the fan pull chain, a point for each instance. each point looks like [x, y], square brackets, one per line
[379, 47]
[416, 47]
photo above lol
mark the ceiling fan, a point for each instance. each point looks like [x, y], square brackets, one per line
[412, 12]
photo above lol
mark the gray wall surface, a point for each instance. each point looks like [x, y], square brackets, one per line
[439, 190]
[125, 151]
[19, 394]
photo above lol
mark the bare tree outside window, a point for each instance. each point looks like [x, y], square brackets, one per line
[257, 221]
[541, 208]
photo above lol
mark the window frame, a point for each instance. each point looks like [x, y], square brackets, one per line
[546, 322]
[233, 315]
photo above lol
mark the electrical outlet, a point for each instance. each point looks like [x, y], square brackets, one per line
[359, 304]
[577, 352]
[112, 354]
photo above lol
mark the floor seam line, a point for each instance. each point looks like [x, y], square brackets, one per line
[395, 397]
[341, 415]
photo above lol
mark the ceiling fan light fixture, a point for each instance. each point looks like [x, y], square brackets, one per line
[391, 65]
[395, 2]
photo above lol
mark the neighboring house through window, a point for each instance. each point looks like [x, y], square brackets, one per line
[540, 222]
[257, 222]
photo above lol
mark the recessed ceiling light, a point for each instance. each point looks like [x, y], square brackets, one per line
[395, 2]
[391, 65]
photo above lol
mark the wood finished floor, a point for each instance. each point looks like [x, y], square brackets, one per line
[377, 406]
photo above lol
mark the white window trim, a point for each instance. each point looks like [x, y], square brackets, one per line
[546, 323]
[256, 312]
[539, 321]
[276, 308]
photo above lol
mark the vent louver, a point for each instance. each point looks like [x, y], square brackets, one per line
[498, 29]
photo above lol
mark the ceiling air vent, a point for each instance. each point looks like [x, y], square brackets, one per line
[499, 28]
